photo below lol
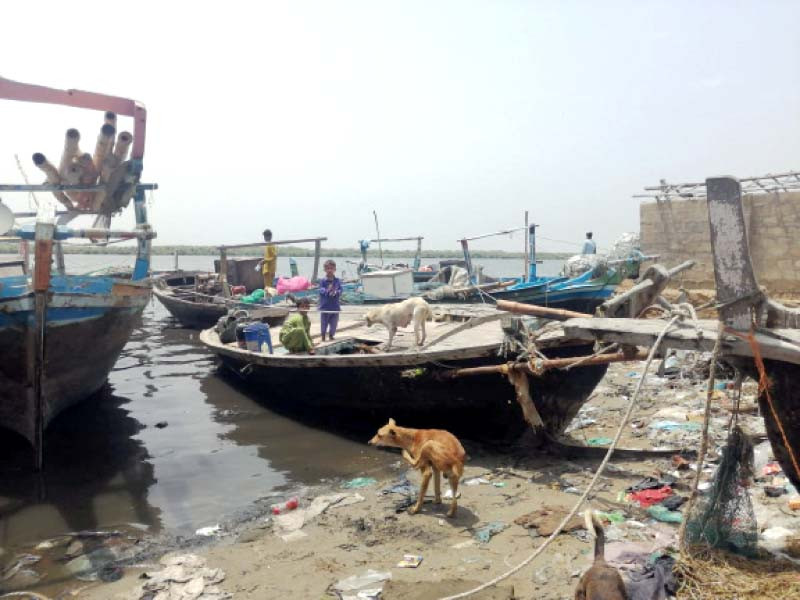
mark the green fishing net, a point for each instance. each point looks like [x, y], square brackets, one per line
[724, 517]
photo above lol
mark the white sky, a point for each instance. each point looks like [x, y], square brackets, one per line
[448, 118]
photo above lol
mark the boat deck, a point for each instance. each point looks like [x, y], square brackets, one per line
[457, 332]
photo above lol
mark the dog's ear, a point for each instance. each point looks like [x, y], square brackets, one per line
[391, 421]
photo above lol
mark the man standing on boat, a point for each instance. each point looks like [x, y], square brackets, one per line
[589, 247]
[269, 263]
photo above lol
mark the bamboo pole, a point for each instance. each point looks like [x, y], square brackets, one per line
[540, 311]
[111, 119]
[317, 254]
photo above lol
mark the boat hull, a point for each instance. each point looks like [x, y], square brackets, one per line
[194, 315]
[84, 336]
[421, 395]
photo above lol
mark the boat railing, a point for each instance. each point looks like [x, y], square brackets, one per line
[223, 257]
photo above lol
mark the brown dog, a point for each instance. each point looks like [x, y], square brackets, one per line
[601, 581]
[432, 451]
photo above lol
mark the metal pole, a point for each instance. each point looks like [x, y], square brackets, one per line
[525, 273]
[317, 253]
[467, 259]
[380, 248]
[176, 261]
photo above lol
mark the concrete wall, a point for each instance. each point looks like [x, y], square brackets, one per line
[678, 230]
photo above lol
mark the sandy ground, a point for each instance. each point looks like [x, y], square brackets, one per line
[375, 534]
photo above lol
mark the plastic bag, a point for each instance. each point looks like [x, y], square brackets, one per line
[293, 284]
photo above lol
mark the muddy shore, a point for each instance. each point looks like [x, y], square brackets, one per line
[500, 485]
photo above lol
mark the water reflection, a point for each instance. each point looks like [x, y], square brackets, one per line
[96, 475]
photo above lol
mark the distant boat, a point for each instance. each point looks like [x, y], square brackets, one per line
[60, 334]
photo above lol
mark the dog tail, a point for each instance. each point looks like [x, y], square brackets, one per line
[593, 524]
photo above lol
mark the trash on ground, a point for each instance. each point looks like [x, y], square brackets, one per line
[359, 482]
[476, 481]
[485, 533]
[410, 561]
[663, 514]
[499, 484]
[546, 519]
[183, 576]
[612, 517]
[599, 441]
[794, 503]
[649, 497]
[448, 494]
[359, 587]
[296, 519]
[284, 507]
[208, 531]
[673, 502]
[675, 426]
[654, 581]
[401, 486]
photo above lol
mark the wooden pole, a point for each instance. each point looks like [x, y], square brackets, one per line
[380, 247]
[71, 149]
[53, 177]
[43, 255]
[539, 311]
[317, 255]
[104, 146]
[223, 272]
[538, 367]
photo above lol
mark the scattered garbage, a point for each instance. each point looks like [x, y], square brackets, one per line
[183, 577]
[485, 533]
[410, 561]
[499, 484]
[661, 513]
[208, 531]
[448, 495]
[611, 517]
[285, 525]
[476, 481]
[401, 486]
[359, 482]
[650, 496]
[599, 441]
[546, 519]
[794, 503]
[361, 587]
[161, 424]
[291, 504]
[674, 426]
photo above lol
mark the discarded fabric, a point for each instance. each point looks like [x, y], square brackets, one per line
[673, 502]
[358, 587]
[665, 515]
[359, 482]
[184, 576]
[295, 520]
[599, 441]
[673, 426]
[485, 533]
[401, 486]
[208, 531]
[649, 497]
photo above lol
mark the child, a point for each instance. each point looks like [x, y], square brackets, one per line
[330, 293]
[296, 330]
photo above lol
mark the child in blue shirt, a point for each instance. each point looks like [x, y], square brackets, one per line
[330, 294]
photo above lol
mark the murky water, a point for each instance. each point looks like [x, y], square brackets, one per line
[109, 464]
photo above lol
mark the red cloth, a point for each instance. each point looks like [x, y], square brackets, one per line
[647, 498]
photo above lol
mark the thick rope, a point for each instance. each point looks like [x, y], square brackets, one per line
[592, 483]
[704, 440]
[28, 595]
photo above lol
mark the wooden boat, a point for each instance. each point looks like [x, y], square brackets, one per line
[412, 384]
[176, 291]
[759, 336]
[419, 274]
[60, 335]
[199, 299]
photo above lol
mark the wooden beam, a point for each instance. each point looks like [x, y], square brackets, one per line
[733, 269]
[539, 367]
[41, 285]
[278, 243]
[539, 311]
[317, 254]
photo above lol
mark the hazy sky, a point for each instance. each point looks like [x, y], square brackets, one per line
[448, 118]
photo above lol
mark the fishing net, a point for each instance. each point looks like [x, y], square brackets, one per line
[627, 245]
[724, 518]
[580, 263]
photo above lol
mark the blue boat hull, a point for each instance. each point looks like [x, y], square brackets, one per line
[89, 321]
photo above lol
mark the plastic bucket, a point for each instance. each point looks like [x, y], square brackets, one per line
[256, 335]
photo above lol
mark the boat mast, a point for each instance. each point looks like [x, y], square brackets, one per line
[525, 271]
[532, 251]
[378, 231]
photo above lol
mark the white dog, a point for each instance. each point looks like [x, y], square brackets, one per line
[401, 314]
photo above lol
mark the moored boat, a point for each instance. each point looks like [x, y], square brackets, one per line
[60, 334]
[353, 375]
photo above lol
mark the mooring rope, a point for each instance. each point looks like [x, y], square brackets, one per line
[592, 483]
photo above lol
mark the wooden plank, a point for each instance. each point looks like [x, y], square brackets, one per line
[733, 269]
[781, 344]
[278, 243]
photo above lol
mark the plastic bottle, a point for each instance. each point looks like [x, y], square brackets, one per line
[283, 507]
